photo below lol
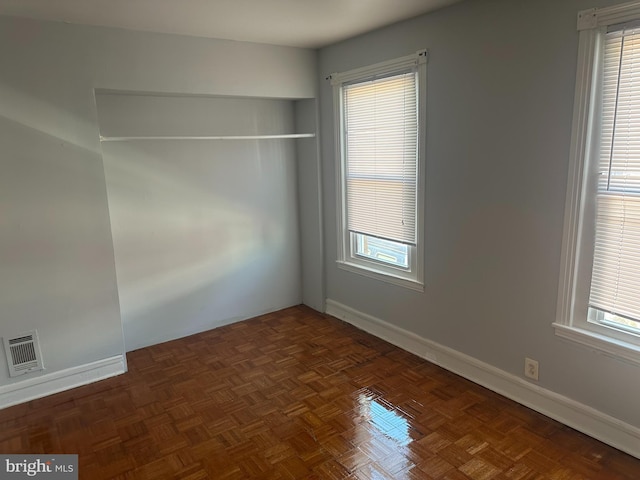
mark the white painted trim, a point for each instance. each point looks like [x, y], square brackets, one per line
[579, 151]
[581, 417]
[55, 382]
[381, 68]
[602, 17]
[361, 269]
[338, 116]
[604, 344]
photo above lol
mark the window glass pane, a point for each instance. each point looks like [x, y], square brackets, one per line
[378, 249]
[613, 320]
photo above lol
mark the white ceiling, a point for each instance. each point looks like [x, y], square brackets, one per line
[299, 23]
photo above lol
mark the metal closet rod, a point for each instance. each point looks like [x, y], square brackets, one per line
[207, 137]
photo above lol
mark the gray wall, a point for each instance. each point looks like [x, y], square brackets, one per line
[310, 204]
[57, 268]
[500, 95]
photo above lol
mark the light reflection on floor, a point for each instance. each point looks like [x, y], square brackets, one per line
[386, 421]
[384, 436]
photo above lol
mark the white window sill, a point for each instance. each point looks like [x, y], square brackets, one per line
[625, 351]
[383, 276]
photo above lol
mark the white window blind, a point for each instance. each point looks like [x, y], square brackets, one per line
[381, 156]
[615, 283]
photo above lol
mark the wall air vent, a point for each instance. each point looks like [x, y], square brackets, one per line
[23, 353]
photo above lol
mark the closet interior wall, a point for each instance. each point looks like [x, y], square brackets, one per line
[205, 232]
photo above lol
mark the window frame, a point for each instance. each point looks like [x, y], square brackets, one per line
[347, 259]
[573, 321]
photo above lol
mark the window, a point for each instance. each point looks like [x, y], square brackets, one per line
[380, 151]
[599, 298]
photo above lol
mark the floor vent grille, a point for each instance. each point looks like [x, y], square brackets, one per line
[23, 353]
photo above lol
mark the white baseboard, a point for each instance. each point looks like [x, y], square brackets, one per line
[49, 384]
[581, 417]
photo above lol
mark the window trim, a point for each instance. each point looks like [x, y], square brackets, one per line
[572, 321]
[413, 279]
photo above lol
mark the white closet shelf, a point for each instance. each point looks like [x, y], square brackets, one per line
[209, 137]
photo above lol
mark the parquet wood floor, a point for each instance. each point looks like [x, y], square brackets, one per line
[296, 394]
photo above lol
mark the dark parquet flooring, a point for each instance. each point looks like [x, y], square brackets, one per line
[299, 395]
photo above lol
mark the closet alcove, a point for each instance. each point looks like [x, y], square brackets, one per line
[214, 207]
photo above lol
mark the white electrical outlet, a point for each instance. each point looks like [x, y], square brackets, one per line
[531, 368]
